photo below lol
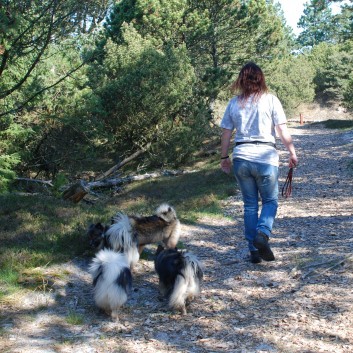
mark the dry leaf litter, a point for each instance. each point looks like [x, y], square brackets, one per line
[302, 302]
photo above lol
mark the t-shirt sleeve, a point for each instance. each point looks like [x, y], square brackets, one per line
[278, 115]
[227, 121]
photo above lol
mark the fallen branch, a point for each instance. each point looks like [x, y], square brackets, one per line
[341, 262]
[128, 179]
[230, 263]
[122, 163]
[337, 263]
[39, 181]
[79, 190]
[315, 264]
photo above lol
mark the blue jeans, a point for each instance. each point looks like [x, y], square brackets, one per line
[256, 179]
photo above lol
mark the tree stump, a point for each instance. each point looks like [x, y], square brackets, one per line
[76, 192]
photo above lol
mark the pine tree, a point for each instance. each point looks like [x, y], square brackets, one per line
[317, 23]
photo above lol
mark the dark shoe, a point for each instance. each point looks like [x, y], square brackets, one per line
[255, 257]
[261, 243]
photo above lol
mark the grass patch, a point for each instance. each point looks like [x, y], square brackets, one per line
[194, 195]
[338, 124]
[41, 230]
[8, 282]
[74, 319]
[39, 279]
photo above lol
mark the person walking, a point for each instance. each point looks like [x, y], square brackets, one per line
[255, 115]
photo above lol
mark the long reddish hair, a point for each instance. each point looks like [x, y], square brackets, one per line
[250, 81]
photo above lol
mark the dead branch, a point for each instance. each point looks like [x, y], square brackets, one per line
[123, 162]
[335, 264]
[39, 181]
[230, 263]
[79, 190]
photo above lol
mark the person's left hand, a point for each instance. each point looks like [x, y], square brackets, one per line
[293, 161]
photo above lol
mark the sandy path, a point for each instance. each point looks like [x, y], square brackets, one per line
[302, 302]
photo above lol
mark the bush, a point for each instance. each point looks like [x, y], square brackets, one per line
[291, 79]
[7, 174]
[144, 95]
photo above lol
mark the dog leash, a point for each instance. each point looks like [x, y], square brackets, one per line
[287, 187]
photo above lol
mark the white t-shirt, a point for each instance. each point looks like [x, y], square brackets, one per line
[255, 122]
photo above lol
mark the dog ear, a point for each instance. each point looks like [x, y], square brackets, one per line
[160, 248]
[100, 226]
[97, 226]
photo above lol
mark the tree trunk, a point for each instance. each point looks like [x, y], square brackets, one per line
[76, 192]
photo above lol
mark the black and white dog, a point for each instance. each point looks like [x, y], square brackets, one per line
[180, 275]
[112, 280]
[118, 237]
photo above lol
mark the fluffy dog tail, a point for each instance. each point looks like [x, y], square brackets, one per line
[187, 282]
[112, 280]
[121, 238]
[120, 232]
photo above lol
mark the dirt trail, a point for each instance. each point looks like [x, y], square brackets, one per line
[302, 302]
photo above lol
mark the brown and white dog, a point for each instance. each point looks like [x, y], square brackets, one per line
[129, 230]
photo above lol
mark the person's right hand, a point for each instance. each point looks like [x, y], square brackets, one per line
[226, 165]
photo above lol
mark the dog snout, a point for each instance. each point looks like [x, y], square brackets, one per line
[94, 243]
